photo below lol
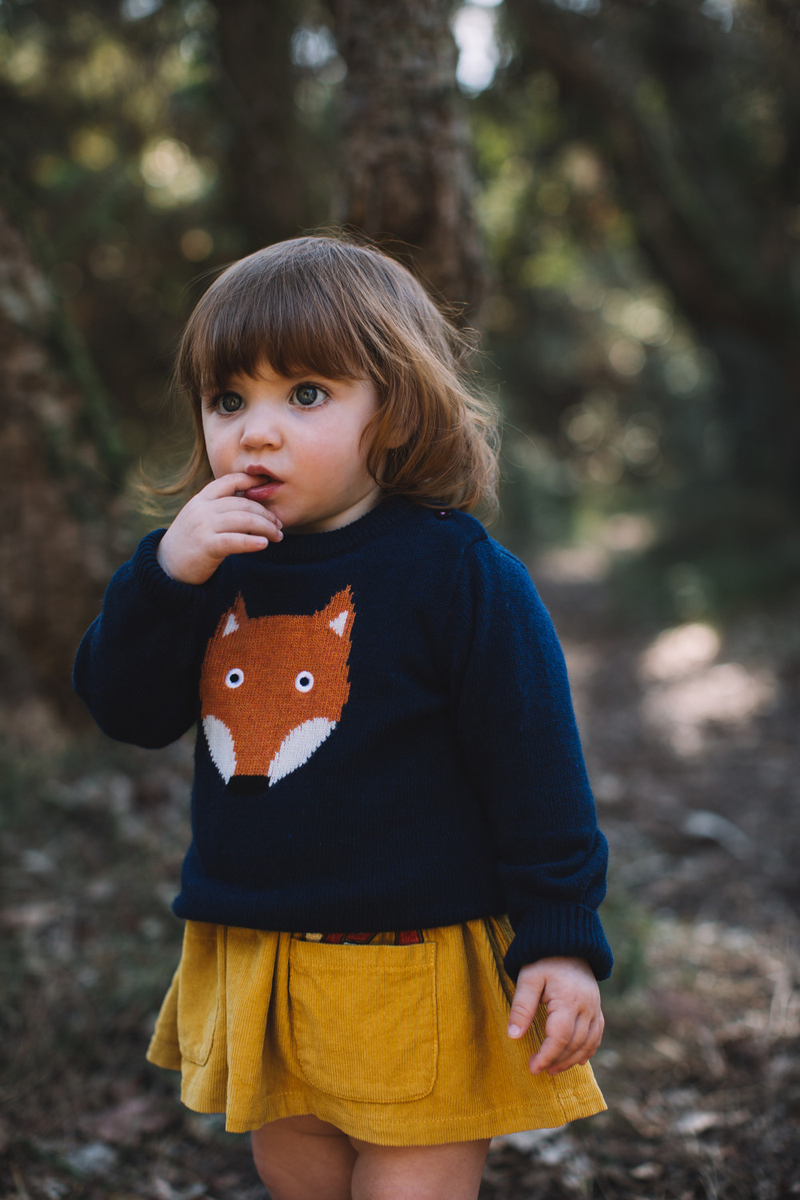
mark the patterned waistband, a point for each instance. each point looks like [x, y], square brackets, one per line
[402, 937]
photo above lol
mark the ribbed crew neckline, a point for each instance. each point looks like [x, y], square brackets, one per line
[315, 547]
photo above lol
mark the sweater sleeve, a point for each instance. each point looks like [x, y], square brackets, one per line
[517, 729]
[136, 667]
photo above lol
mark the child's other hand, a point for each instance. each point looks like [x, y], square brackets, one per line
[213, 524]
[574, 1017]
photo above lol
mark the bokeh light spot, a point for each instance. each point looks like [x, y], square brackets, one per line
[478, 51]
[680, 651]
[173, 175]
[196, 244]
[626, 356]
[93, 149]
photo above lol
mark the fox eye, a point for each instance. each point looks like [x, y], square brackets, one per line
[234, 678]
[304, 681]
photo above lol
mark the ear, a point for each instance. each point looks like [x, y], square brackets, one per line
[339, 612]
[233, 618]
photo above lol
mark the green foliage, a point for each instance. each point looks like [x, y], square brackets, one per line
[581, 334]
[637, 182]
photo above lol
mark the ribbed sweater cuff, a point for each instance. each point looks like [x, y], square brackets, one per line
[556, 930]
[156, 583]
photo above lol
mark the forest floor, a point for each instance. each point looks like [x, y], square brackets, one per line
[691, 737]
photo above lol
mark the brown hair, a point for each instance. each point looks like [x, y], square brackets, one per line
[348, 311]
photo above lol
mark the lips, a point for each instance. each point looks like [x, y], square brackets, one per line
[262, 491]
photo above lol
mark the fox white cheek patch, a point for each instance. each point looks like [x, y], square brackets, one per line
[298, 746]
[295, 749]
[220, 746]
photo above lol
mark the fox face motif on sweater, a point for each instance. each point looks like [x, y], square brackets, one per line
[272, 689]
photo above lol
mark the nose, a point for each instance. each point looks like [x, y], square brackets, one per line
[261, 428]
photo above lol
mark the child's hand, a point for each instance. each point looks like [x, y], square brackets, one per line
[574, 1017]
[213, 524]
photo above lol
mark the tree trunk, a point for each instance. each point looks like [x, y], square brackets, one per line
[55, 554]
[406, 170]
[268, 170]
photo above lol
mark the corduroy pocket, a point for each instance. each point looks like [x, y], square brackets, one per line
[364, 1019]
[198, 991]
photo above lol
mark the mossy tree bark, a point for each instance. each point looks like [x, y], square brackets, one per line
[406, 170]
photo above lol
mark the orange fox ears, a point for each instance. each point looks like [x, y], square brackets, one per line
[339, 612]
[233, 618]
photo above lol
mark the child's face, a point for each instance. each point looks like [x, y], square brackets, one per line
[300, 440]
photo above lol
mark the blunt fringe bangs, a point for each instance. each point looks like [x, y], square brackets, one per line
[343, 310]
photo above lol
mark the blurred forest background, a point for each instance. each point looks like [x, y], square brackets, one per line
[609, 191]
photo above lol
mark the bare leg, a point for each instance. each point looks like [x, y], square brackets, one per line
[303, 1158]
[450, 1172]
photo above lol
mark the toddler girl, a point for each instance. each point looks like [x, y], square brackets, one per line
[386, 763]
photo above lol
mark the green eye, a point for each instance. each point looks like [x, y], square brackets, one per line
[229, 402]
[308, 395]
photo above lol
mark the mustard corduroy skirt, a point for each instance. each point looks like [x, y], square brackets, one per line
[395, 1044]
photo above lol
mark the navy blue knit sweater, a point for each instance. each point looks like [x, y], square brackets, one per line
[385, 737]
